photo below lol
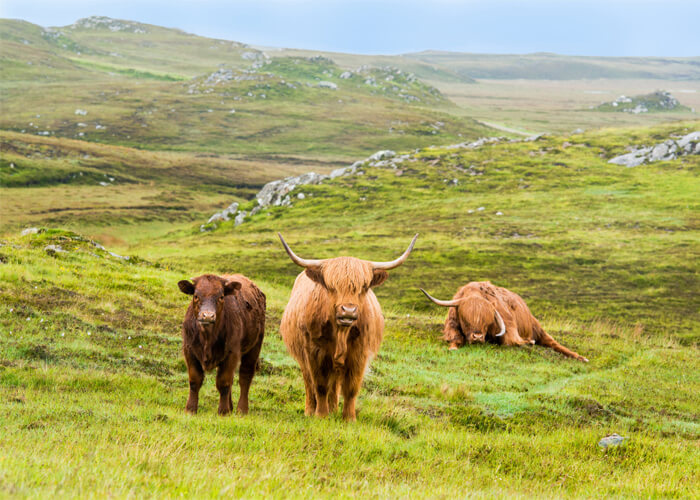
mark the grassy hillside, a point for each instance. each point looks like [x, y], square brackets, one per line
[92, 385]
[125, 83]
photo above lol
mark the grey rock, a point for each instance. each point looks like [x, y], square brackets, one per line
[687, 140]
[327, 85]
[659, 152]
[30, 230]
[54, 249]
[239, 218]
[273, 193]
[301, 196]
[633, 159]
[382, 155]
[611, 440]
[122, 257]
[664, 151]
[225, 214]
[345, 75]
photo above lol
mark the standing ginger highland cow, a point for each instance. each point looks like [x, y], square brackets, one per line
[333, 326]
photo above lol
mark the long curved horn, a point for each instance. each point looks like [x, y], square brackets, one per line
[296, 259]
[444, 303]
[395, 263]
[501, 323]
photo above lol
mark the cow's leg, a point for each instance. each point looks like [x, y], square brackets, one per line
[333, 391]
[310, 406]
[352, 381]
[547, 340]
[322, 384]
[195, 374]
[224, 381]
[246, 372]
[512, 337]
[452, 332]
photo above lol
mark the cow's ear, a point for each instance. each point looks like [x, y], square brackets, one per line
[315, 274]
[378, 278]
[231, 286]
[186, 286]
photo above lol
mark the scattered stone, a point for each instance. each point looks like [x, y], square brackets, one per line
[81, 112]
[225, 214]
[382, 155]
[345, 75]
[239, 218]
[54, 249]
[476, 144]
[300, 196]
[327, 85]
[611, 440]
[31, 230]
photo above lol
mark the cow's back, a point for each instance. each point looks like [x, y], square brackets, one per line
[528, 326]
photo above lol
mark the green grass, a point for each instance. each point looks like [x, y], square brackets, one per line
[605, 256]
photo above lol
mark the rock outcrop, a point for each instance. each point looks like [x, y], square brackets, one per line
[278, 193]
[668, 150]
[656, 101]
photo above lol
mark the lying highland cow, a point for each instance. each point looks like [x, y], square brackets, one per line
[223, 328]
[481, 312]
[333, 326]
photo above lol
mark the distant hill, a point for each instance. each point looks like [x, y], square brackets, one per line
[139, 85]
[546, 66]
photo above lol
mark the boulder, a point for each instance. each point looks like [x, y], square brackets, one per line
[327, 85]
[632, 159]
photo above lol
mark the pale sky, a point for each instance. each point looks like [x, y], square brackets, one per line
[573, 27]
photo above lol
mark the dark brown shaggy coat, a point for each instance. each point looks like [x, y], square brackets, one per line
[223, 328]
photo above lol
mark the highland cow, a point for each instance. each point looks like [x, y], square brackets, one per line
[223, 329]
[333, 326]
[481, 312]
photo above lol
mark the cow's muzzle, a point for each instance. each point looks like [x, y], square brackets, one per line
[206, 318]
[477, 338]
[346, 314]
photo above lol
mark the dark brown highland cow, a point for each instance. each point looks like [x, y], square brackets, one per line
[481, 312]
[223, 328]
[333, 326]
